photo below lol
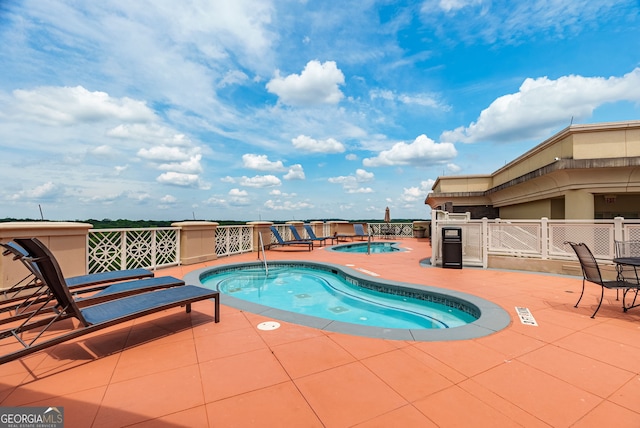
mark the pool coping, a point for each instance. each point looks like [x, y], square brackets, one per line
[493, 318]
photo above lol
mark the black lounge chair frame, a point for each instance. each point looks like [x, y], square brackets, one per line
[591, 273]
[99, 316]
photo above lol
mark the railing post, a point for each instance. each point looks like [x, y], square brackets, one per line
[68, 241]
[261, 228]
[123, 250]
[197, 241]
[618, 229]
[545, 245]
[485, 242]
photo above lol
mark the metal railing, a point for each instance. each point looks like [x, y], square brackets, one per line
[543, 239]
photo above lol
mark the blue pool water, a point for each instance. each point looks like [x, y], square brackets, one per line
[364, 247]
[246, 279]
[325, 294]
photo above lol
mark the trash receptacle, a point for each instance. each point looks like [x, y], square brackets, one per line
[452, 247]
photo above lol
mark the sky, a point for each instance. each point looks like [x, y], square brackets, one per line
[291, 109]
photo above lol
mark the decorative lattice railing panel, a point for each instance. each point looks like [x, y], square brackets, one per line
[514, 238]
[117, 249]
[598, 237]
[233, 240]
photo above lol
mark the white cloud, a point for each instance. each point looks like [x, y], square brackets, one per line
[422, 100]
[163, 153]
[351, 157]
[191, 166]
[233, 77]
[512, 22]
[151, 133]
[543, 104]
[181, 179]
[452, 167]
[238, 197]
[168, 199]
[295, 173]
[308, 144]
[351, 183]
[261, 163]
[238, 192]
[104, 151]
[453, 5]
[287, 205]
[46, 191]
[316, 85]
[260, 181]
[417, 193]
[423, 151]
[64, 106]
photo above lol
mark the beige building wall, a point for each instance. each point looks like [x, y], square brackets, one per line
[583, 172]
[534, 209]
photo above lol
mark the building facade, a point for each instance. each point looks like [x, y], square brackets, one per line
[583, 172]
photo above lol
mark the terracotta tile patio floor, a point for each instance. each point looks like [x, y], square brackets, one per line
[174, 369]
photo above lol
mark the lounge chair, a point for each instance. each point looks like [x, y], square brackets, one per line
[74, 282]
[98, 316]
[297, 236]
[591, 273]
[358, 230]
[282, 242]
[33, 298]
[320, 239]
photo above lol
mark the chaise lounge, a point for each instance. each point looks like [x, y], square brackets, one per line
[313, 236]
[33, 298]
[93, 317]
[358, 230]
[283, 243]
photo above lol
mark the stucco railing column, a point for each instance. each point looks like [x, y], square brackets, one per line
[261, 228]
[66, 240]
[318, 228]
[299, 225]
[197, 241]
[340, 226]
[578, 205]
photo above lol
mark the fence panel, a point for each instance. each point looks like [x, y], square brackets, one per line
[233, 240]
[118, 249]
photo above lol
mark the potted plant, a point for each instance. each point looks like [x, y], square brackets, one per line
[419, 231]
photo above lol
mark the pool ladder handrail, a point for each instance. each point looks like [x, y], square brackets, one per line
[264, 255]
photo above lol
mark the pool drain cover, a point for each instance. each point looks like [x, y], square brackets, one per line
[268, 325]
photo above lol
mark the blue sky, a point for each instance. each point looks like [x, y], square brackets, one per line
[289, 110]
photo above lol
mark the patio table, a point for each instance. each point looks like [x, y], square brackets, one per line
[633, 262]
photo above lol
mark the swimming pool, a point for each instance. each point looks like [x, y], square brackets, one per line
[488, 317]
[364, 247]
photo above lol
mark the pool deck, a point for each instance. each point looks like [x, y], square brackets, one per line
[174, 369]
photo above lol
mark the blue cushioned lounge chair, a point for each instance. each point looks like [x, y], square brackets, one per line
[313, 238]
[34, 298]
[321, 239]
[282, 242]
[80, 284]
[358, 230]
[98, 316]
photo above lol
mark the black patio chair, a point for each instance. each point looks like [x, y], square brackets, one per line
[591, 273]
